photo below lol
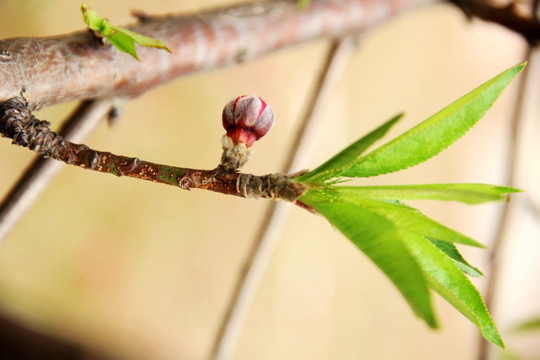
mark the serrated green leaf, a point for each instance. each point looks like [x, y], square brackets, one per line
[453, 253]
[343, 159]
[465, 193]
[379, 239]
[435, 134]
[446, 278]
[400, 215]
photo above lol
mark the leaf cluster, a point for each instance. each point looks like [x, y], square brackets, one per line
[416, 253]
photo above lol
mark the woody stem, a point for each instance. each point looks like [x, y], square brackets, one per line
[18, 123]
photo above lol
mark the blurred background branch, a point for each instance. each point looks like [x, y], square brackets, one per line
[273, 224]
[41, 171]
[518, 16]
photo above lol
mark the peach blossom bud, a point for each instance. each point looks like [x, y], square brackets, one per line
[247, 118]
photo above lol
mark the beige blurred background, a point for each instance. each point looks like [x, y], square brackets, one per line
[135, 270]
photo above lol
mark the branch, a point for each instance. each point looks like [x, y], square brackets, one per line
[18, 341]
[18, 123]
[38, 175]
[506, 16]
[51, 70]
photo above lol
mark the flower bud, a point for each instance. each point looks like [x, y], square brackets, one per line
[247, 118]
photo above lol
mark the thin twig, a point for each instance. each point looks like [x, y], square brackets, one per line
[510, 170]
[41, 171]
[18, 123]
[275, 217]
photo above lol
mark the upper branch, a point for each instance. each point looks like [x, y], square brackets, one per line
[507, 16]
[56, 69]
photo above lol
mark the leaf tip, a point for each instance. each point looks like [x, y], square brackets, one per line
[498, 341]
[433, 323]
[85, 9]
[398, 117]
[510, 190]
[506, 191]
[481, 246]
[132, 53]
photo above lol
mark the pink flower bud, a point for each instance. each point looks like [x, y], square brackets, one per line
[247, 118]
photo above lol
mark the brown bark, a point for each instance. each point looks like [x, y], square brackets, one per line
[18, 123]
[506, 16]
[51, 70]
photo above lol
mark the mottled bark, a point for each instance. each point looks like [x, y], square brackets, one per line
[51, 70]
[18, 123]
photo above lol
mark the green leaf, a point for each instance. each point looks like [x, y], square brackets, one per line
[342, 160]
[379, 239]
[123, 43]
[91, 18]
[435, 134]
[466, 193]
[389, 232]
[400, 215]
[398, 238]
[453, 253]
[142, 40]
[446, 278]
[121, 38]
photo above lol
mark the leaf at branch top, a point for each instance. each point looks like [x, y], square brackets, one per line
[465, 193]
[435, 134]
[379, 239]
[453, 253]
[121, 38]
[446, 278]
[343, 159]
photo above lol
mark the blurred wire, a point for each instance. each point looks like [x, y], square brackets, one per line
[39, 174]
[512, 172]
[276, 215]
